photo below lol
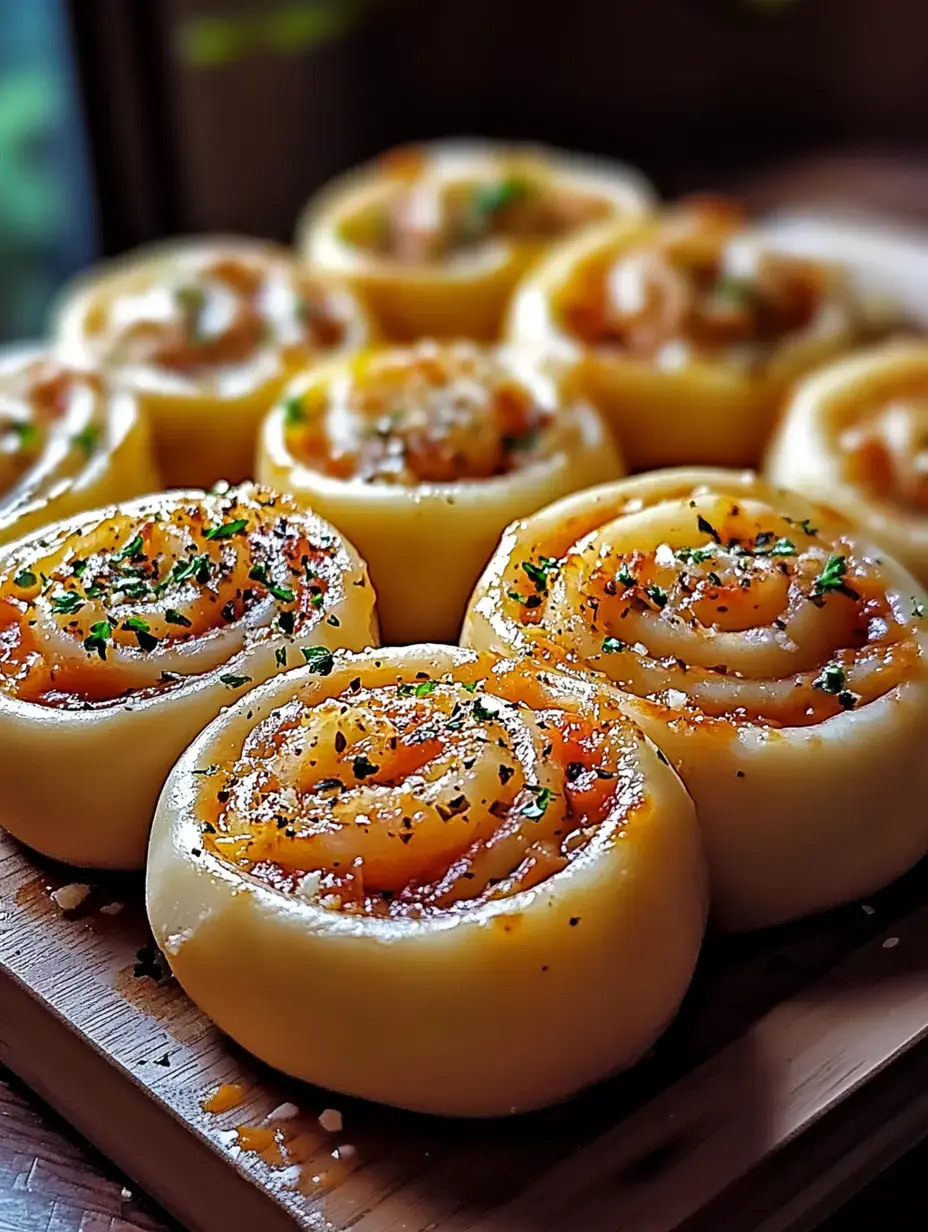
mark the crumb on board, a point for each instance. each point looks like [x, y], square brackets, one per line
[890, 943]
[111, 908]
[867, 909]
[69, 897]
[283, 1112]
[126, 1194]
[331, 1119]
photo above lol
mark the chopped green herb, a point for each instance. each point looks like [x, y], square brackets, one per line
[489, 199]
[86, 439]
[713, 579]
[197, 566]
[656, 594]
[280, 656]
[283, 593]
[142, 630]
[233, 681]
[319, 659]
[831, 679]
[294, 410]
[526, 600]
[25, 579]
[538, 807]
[66, 603]
[484, 712]
[227, 529]
[258, 573]
[100, 634]
[27, 434]
[918, 608]
[470, 686]
[781, 547]
[694, 556]
[425, 688]
[625, 575]
[612, 645]
[174, 617]
[736, 291]
[286, 622]
[132, 550]
[525, 441]
[831, 580]
[538, 574]
[847, 700]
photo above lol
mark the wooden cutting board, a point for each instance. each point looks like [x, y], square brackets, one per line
[794, 1072]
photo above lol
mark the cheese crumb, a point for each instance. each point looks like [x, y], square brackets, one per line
[283, 1112]
[111, 908]
[345, 1152]
[890, 943]
[331, 1120]
[69, 897]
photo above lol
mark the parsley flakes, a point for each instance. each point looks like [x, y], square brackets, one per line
[536, 809]
[319, 659]
[227, 529]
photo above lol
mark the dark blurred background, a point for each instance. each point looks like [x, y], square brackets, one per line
[185, 115]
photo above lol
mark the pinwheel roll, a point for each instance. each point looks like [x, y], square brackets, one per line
[855, 437]
[68, 441]
[205, 333]
[431, 878]
[435, 236]
[422, 455]
[687, 330]
[777, 659]
[124, 631]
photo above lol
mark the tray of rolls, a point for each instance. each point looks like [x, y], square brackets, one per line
[463, 695]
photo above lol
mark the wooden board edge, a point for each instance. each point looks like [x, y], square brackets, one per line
[101, 1100]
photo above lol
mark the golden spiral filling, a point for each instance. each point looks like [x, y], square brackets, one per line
[701, 285]
[885, 451]
[424, 795]
[192, 316]
[721, 607]
[431, 216]
[52, 419]
[428, 414]
[136, 604]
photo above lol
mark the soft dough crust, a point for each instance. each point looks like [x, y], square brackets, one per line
[459, 997]
[461, 293]
[854, 437]
[776, 658]
[205, 332]
[118, 644]
[69, 441]
[686, 374]
[426, 490]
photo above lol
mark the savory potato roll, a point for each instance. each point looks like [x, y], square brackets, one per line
[686, 329]
[205, 333]
[777, 659]
[855, 437]
[422, 455]
[481, 865]
[434, 237]
[125, 630]
[68, 441]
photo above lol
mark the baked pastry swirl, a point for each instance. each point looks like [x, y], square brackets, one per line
[687, 329]
[205, 333]
[855, 437]
[125, 630]
[68, 441]
[446, 847]
[776, 658]
[422, 455]
[435, 237]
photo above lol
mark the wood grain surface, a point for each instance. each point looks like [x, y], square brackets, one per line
[779, 1030]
